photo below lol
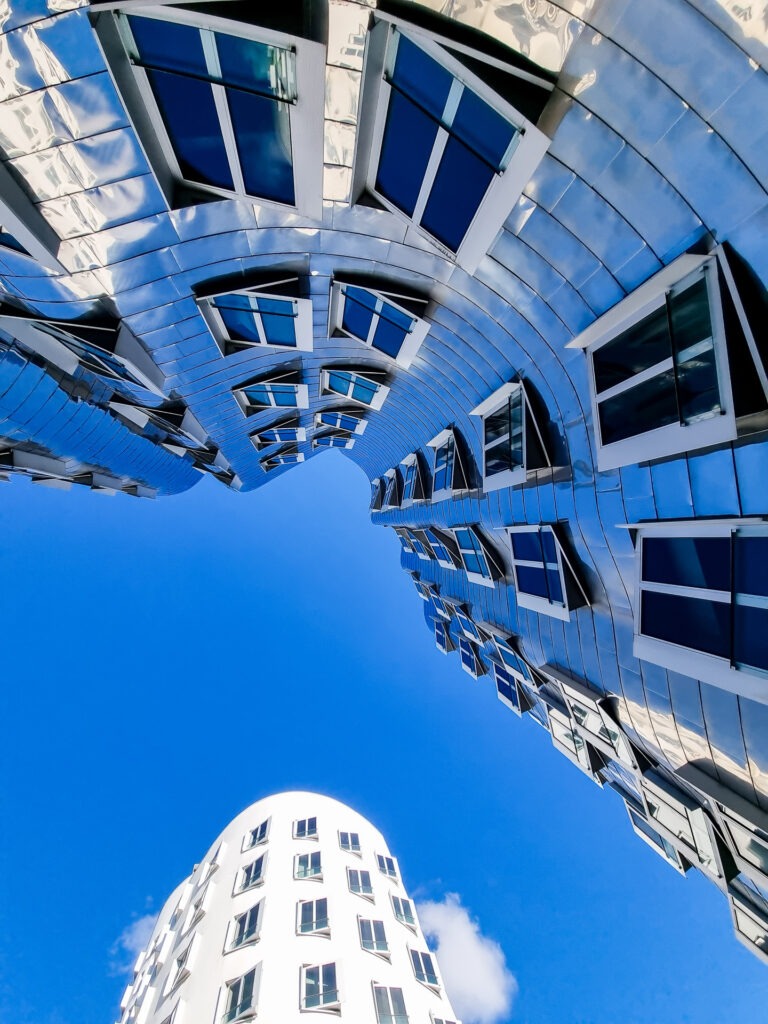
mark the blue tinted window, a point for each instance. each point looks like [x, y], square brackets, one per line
[364, 390]
[688, 561]
[506, 686]
[409, 135]
[421, 77]
[358, 312]
[443, 466]
[253, 65]
[526, 546]
[483, 129]
[690, 622]
[339, 381]
[461, 182]
[532, 580]
[279, 329]
[284, 394]
[263, 137]
[167, 45]
[750, 636]
[240, 324]
[9, 241]
[389, 338]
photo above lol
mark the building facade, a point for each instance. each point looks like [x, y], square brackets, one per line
[507, 257]
[298, 909]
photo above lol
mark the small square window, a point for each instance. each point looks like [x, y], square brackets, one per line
[373, 937]
[241, 997]
[378, 320]
[365, 386]
[319, 988]
[282, 391]
[305, 828]
[307, 865]
[250, 318]
[312, 917]
[450, 471]
[360, 882]
[544, 577]
[386, 865]
[246, 926]
[511, 440]
[349, 841]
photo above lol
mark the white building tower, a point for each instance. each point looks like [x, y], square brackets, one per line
[298, 909]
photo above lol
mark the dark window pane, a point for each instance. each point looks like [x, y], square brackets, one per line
[750, 636]
[642, 346]
[751, 565]
[497, 424]
[526, 546]
[281, 307]
[482, 128]
[409, 135]
[698, 389]
[555, 586]
[364, 391]
[263, 136]
[531, 580]
[339, 382]
[548, 546]
[240, 324]
[253, 65]
[421, 77]
[458, 189]
[688, 561]
[284, 395]
[389, 337]
[640, 409]
[690, 622]
[192, 122]
[358, 313]
[9, 241]
[279, 330]
[500, 459]
[165, 44]
[689, 316]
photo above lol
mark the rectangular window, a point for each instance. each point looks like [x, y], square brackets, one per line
[241, 997]
[391, 490]
[405, 540]
[372, 936]
[351, 422]
[751, 925]
[466, 624]
[319, 987]
[424, 968]
[305, 828]
[443, 639]
[343, 441]
[366, 387]
[511, 440]
[657, 842]
[307, 865]
[222, 105]
[180, 969]
[283, 432]
[377, 494]
[280, 392]
[251, 318]
[544, 578]
[443, 549]
[449, 472]
[288, 456]
[413, 480]
[476, 557]
[252, 874]
[377, 320]
[470, 659]
[403, 911]
[349, 841]
[448, 154]
[386, 866]
[390, 1005]
[312, 916]
[246, 927]
[359, 882]
[703, 602]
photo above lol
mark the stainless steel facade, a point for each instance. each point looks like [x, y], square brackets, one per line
[636, 143]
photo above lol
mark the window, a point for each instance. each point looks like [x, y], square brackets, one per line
[312, 916]
[466, 624]
[372, 936]
[285, 431]
[751, 926]
[241, 996]
[252, 874]
[403, 911]
[246, 927]
[443, 639]
[656, 841]
[424, 968]
[421, 544]
[249, 318]
[448, 154]
[288, 456]
[442, 1020]
[511, 441]
[476, 557]
[305, 828]
[351, 422]
[443, 548]
[470, 659]
[226, 107]
[391, 490]
[567, 738]
[280, 392]
[702, 602]
[507, 689]
[544, 578]
[349, 841]
[367, 388]
[405, 540]
[377, 320]
[413, 480]
[377, 494]
[439, 606]
[386, 866]
[660, 378]
[180, 969]
[591, 713]
[449, 472]
[332, 440]
[307, 865]
[359, 882]
[197, 909]
[319, 989]
[390, 1005]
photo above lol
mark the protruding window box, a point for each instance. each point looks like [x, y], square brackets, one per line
[287, 456]
[363, 385]
[414, 480]
[512, 443]
[253, 318]
[569, 741]
[443, 639]
[349, 421]
[333, 439]
[450, 472]
[652, 837]
[283, 432]
[276, 391]
[392, 490]
[470, 658]
[750, 925]
[381, 320]
[545, 580]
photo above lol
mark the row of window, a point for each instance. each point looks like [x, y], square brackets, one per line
[308, 865]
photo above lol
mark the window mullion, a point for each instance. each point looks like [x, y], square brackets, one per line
[222, 108]
[695, 593]
[374, 325]
[441, 141]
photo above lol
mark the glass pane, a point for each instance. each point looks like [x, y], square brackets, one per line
[555, 586]
[192, 123]
[240, 324]
[253, 65]
[339, 382]
[406, 147]
[690, 622]
[548, 546]
[263, 135]
[364, 390]
[497, 424]
[421, 77]
[284, 394]
[457, 191]
[639, 409]
[165, 44]
[279, 330]
[641, 346]
[358, 312]
[531, 580]
[751, 565]
[389, 337]
[483, 129]
[526, 546]
[688, 561]
[750, 636]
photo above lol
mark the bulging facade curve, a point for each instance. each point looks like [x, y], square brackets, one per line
[509, 260]
[296, 912]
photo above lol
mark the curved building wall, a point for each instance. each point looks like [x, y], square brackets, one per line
[193, 959]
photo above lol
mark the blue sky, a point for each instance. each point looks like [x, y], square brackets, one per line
[169, 662]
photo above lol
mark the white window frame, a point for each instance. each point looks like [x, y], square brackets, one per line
[439, 542]
[306, 111]
[306, 835]
[333, 439]
[531, 436]
[229, 346]
[369, 374]
[289, 455]
[675, 438]
[410, 925]
[302, 394]
[386, 952]
[350, 849]
[254, 935]
[388, 989]
[413, 340]
[391, 491]
[385, 871]
[182, 966]
[259, 443]
[316, 876]
[332, 1005]
[589, 710]
[363, 895]
[227, 1014]
[469, 658]
[355, 414]
[747, 923]
[325, 930]
[673, 858]
[243, 874]
[443, 639]
[525, 151]
[572, 591]
[433, 986]
[458, 473]
[412, 464]
[475, 634]
[746, 682]
[495, 568]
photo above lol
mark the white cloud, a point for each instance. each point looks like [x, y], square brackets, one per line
[130, 942]
[474, 968]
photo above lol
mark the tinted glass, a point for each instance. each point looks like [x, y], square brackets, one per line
[258, 395]
[339, 382]
[750, 636]
[526, 546]
[253, 65]
[548, 546]
[263, 137]
[460, 184]
[688, 561]
[240, 324]
[497, 425]
[358, 312]
[406, 147]
[284, 394]
[751, 565]
[421, 77]
[639, 409]
[192, 123]
[364, 391]
[9, 241]
[389, 337]
[533, 581]
[555, 586]
[690, 622]
[499, 459]
[278, 329]
[164, 44]
[642, 346]
[482, 128]
[689, 316]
